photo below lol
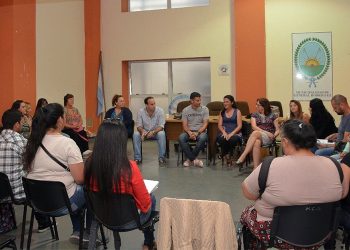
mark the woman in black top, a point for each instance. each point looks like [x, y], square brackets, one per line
[122, 113]
[321, 120]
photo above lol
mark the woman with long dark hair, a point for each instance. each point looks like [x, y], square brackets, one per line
[229, 125]
[321, 120]
[42, 102]
[46, 135]
[122, 113]
[74, 124]
[109, 170]
[265, 129]
[296, 112]
[26, 121]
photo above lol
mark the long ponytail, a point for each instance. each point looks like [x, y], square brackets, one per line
[45, 118]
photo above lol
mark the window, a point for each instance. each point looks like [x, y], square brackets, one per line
[142, 5]
[169, 81]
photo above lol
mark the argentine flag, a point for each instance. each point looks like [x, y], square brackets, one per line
[100, 94]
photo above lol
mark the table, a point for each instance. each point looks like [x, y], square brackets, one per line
[173, 128]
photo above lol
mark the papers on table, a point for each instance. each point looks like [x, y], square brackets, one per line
[325, 142]
[151, 185]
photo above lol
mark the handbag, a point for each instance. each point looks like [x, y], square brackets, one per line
[54, 158]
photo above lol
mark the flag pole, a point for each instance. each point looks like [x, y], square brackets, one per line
[103, 83]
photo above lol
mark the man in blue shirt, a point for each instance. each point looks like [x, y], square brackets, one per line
[150, 126]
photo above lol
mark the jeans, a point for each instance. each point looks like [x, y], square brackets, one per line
[200, 144]
[325, 151]
[148, 234]
[77, 203]
[160, 137]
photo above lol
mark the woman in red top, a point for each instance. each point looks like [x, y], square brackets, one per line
[109, 158]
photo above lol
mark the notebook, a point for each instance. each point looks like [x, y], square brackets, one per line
[151, 185]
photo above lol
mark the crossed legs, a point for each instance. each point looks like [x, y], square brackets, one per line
[253, 145]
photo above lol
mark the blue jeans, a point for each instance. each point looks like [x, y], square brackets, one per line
[148, 234]
[77, 203]
[200, 144]
[160, 137]
[325, 151]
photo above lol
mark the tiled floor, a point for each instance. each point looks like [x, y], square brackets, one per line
[208, 183]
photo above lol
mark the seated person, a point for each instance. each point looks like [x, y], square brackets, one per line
[229, 125]
[150, 125]
[321, 120]
[111, 159]
[265, 129]
[292, 181]
[296, 112]
[12, 146]
[341, 107]
[73, 124]
[122, 113]
[22, 107]
[195, 118]
[46, 133]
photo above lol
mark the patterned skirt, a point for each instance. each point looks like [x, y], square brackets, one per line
[260, 231]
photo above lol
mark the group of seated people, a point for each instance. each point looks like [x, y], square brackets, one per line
[292, 178]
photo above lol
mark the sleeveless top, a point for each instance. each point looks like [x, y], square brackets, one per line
[265, 122]
[230, 123]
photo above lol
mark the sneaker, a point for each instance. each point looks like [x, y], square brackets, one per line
[161, 161]
[187, 163]
[198, 163]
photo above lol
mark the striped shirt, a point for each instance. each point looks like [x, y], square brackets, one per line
[12, 146]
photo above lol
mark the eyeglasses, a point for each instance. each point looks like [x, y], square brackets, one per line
[112, 120]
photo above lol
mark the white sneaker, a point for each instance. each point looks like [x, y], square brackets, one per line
[198, 163]
[187, 163]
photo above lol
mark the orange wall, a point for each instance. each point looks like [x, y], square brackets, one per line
[92, 50]
[17, 50]
[250, 50]
[6, 52]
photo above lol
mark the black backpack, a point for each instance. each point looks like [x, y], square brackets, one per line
[265, 167]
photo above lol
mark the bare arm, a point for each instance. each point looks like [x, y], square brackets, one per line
[247, 194]
[77, 171]
[204, 127]
[220, 127]
[277, 127]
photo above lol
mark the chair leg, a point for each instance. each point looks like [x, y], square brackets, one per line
[55, 236]
[30, 229]
[117, 240]
[24, 217]
[93, 234]
[81, 234]
[103, 237]
[13, 215]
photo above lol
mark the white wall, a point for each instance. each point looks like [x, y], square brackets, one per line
[163, 34]
[296, 16]
[60, 55]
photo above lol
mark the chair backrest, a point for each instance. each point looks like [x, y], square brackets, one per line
[215, 107]
[46, 196]
[5, 187]
[243, 107]
[279, 105]
[181, 105]
[113, 210]
[305, 225]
